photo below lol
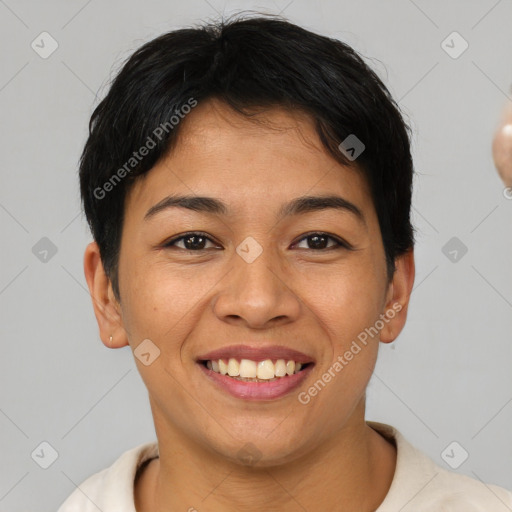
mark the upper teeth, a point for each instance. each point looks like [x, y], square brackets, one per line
[247, 368]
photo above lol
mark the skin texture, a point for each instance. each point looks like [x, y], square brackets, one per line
[316, 301]
[502, 146]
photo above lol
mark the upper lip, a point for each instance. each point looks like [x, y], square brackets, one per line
[256, 353]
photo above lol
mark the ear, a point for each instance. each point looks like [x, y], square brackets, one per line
[397, 299]
[106, 307]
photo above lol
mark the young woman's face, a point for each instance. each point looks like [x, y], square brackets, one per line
[253, 281]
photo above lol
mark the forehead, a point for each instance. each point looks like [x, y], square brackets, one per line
[216, 132]
[269, 157]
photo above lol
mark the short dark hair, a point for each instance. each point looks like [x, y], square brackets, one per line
[246, 62]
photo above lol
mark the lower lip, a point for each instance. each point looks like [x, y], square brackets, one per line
[257, 390]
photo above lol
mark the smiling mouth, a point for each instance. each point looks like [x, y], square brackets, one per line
[247, 370]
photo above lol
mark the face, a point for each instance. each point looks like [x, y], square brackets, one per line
[251, 274]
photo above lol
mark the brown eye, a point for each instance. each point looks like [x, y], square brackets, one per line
[320, 241]
[190, 241]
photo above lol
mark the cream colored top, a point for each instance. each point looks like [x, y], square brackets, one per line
[419, 484]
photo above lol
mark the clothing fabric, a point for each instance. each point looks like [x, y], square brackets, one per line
[418, 485]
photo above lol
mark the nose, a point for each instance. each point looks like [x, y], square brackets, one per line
[258, 293]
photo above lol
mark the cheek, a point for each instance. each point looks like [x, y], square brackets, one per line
[347, 301]
[165, 306]
[156, 298]
[347, 307]
[160, 307]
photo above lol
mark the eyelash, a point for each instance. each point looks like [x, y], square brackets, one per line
[340, 244]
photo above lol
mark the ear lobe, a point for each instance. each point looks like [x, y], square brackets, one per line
[106, 308]
[398, 296]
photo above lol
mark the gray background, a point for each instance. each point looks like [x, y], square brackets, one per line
[447, 377]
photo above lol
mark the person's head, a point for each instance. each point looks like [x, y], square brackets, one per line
[295, 230]
[502, 146]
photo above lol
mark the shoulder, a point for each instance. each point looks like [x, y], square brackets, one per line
[420, 485]
[111, 488]
[460, 492]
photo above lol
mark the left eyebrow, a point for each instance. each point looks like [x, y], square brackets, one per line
[297, 206]
[307, 204]
[195, 203]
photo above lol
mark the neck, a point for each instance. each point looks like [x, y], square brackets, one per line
[352, 472]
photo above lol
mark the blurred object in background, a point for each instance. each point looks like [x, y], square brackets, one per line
[502, 145]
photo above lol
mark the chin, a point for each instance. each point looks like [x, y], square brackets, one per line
[263, 448]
